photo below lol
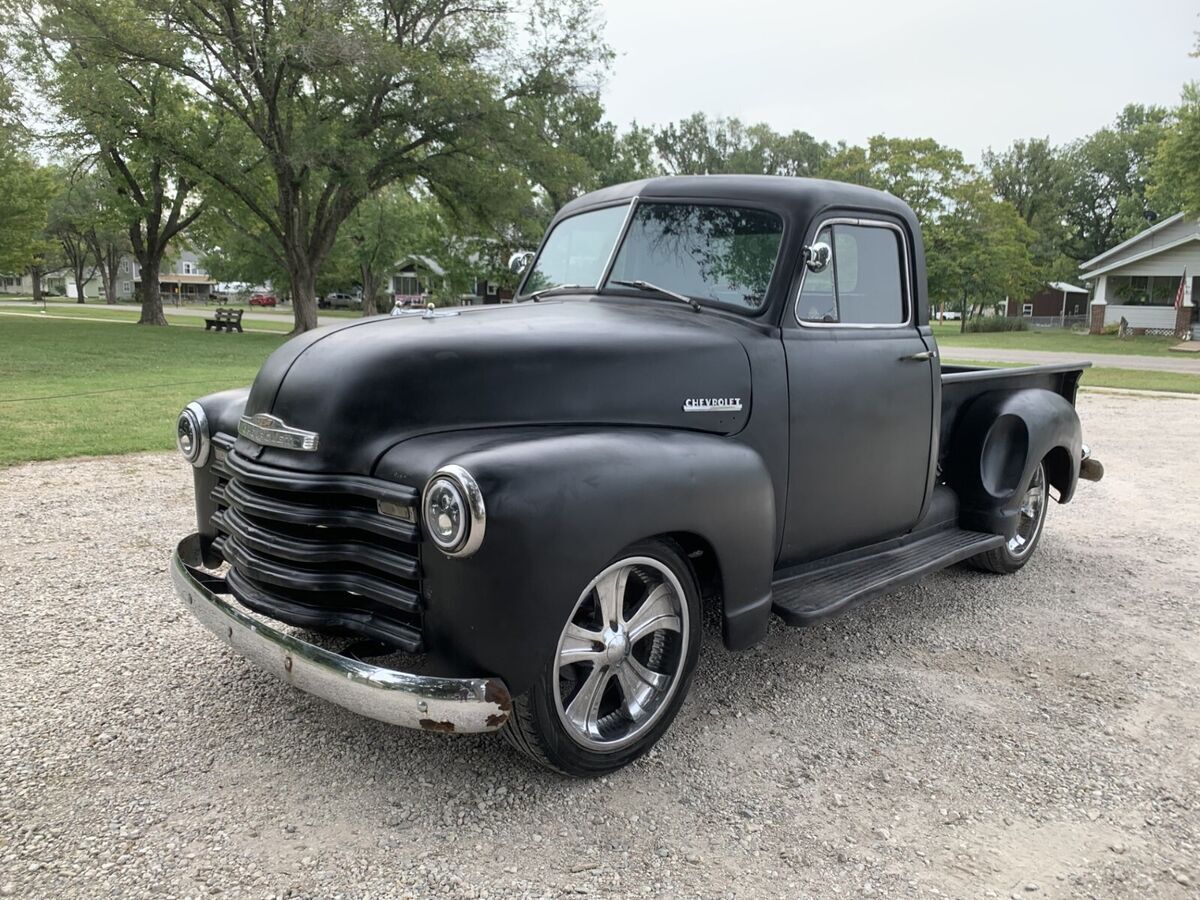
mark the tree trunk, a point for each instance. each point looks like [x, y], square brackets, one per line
[303, 277]
[80, 284]
[35, 277]
[108, 278]
[370, 292]
[962, 324]
[152, 308]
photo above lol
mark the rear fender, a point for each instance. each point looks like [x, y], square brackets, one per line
[560, 505]
[997, 443]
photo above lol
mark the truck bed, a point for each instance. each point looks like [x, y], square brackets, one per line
[961, 384]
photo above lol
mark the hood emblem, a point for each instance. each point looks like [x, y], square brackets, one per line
[712, 404]
[270, 431]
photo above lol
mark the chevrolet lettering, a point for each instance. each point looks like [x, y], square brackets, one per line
[529, 540]
[713, 405]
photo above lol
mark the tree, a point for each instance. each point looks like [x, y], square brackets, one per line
[700, 146]
[1175, 174]
[1034, 177]
[920, 171]
[116, 105]
[1107, 201]
[383, 228]
[70, 222]
[301, 111]
[978, 251]
[28, 191]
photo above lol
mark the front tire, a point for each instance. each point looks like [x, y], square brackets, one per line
[621, 669]
[1017, 550]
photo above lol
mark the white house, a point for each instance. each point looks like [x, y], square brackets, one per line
[1139, 280]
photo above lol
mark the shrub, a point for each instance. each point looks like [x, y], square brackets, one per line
[997, 323]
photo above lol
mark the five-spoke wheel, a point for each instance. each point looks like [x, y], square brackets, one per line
[1031, 516]
[621, 667]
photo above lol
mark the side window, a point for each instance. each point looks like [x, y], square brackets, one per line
[864, 284]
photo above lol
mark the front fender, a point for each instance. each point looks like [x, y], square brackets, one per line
[560, 504]
[997, 443]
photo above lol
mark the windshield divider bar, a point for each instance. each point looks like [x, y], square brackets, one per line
[612, 254]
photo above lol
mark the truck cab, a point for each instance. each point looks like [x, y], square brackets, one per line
[713, 390]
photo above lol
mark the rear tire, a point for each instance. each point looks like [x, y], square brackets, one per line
[1017, 550]
[621, 669]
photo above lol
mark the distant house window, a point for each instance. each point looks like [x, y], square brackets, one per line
[407, 283]
[125, 266]
[1027, 309]
[187, 268]
[491, 289]
[126, 287]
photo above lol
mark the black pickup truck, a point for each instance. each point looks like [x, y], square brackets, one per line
[717, 390]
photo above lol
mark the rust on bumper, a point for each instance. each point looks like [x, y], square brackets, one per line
[398, 698]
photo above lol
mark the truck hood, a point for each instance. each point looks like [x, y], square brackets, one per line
[365, 386]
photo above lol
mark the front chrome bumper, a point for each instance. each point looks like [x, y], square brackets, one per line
[398, 698]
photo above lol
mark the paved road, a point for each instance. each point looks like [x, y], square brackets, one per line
[1188, 364]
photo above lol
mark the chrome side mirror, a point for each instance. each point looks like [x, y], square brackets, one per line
[817, 256]
[519, 262]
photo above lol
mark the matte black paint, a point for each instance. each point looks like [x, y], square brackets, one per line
[569, 413]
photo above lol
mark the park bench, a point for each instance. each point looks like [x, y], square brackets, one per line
[225, 320]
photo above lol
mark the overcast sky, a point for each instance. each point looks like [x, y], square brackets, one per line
[969, 74]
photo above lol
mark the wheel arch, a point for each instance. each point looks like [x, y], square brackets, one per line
[998, 441]
[561, 504]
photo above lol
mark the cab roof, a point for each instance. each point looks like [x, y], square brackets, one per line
[805, 196]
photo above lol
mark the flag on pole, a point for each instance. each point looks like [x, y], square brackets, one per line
[1182, 287]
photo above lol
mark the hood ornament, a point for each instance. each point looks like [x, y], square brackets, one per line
[270, 431]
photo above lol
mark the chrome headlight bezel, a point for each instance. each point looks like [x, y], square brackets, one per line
[475, 513]
[194, 419]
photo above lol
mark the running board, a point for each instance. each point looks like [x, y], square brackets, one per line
[829, 589]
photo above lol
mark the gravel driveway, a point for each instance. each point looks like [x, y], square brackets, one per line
[1032, 735]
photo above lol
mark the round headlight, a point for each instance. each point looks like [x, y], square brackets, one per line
[445, 513]
[452, 511]
[191, 434]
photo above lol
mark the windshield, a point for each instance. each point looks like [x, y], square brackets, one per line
[716, 254]
[577, 250]
[721, 255]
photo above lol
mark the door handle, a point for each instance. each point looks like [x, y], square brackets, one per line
[923, 356]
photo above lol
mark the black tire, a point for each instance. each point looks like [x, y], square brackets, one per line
[538, 725]
[1012, 555]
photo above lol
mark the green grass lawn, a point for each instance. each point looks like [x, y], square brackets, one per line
[86, 388]
[1053, 339]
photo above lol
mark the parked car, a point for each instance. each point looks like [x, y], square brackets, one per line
[950, 315]
[263, 300]
[341, 301]
[728, 397]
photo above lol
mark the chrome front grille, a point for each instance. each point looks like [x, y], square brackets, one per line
[314, 550]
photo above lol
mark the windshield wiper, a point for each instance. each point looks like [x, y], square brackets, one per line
[647, 286]
[537, 295]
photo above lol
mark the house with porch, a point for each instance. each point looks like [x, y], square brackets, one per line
[1056, 302]
[1138, 281]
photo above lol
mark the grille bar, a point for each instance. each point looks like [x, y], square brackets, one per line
[297, 512]
[253, 473]
[314, 552]
[309, 612]
[270, 571]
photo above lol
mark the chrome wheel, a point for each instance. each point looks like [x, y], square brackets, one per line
[1031, 515]
[621, 654]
